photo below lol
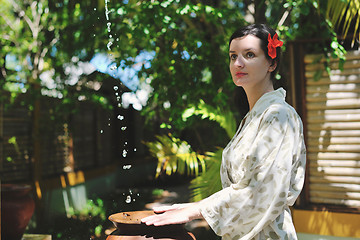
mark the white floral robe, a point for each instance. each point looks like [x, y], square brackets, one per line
[262, 174]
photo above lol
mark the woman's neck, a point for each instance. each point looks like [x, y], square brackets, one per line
[255, 93]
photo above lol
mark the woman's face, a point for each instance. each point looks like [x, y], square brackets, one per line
[249, 66]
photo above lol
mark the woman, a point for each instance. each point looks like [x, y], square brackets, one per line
[263, 166]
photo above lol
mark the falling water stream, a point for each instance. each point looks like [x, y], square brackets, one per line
[130, 197]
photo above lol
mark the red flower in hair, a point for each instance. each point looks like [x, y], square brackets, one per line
[273, 44]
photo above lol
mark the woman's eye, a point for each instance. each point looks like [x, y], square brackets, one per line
[233, 56]
[250, 55]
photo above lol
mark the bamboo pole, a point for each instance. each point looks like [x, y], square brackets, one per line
[338, 171]
[325, 140]
[349, 203]
[336, 195]
[320, 178]
[335, 163]
[334, 65]
[333, 156]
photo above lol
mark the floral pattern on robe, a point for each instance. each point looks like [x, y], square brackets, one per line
[262, 174]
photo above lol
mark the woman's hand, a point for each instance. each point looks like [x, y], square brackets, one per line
[174, 214]
[171, 207]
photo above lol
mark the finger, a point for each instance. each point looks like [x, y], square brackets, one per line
[147, 220]
[158, 220]
[171, 207]
[169, 221]
[164, 208]
[150, 220]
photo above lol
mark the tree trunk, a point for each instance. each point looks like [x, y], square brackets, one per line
[260, 9]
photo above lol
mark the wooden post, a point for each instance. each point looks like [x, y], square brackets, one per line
[36, 154]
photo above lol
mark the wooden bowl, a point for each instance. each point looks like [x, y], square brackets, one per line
[129, 223]
[129, 218]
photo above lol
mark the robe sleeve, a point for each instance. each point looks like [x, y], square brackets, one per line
[240, 211]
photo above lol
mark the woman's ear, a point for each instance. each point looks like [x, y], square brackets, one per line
[273, 65]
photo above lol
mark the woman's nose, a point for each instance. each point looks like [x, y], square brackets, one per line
[239, 62]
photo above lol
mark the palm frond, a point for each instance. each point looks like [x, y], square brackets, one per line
[175, 155]
[342, 13]
[222, 116]
[209, 182]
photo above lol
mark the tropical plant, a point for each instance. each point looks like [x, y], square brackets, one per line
[220, 115]
[208, 182]
[345, 14]
[175, 155]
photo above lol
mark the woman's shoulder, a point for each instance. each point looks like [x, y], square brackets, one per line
[281, 110]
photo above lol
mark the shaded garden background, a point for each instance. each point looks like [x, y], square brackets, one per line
[97, 79]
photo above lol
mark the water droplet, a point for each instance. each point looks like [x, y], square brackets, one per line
[124, 153]
[109, 124]
[109, 45]
[118, 99]
[125, 167]
[116, 94]
[123, 128]
[94, 9]
[128, 199]
[134, 149]
[120, 117]
[113, 67]
[116, 88]
[119, 104]
[101, 131]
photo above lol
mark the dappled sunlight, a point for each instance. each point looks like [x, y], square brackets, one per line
[327, 223]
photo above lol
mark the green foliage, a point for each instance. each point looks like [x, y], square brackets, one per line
[344, 13]
[311, 23]
[187, 40]
[47, 37]
[12, 141]
[175, 155]
[157, 192]
[171, 155]
[224, 117]
[95, 211]
[208, 182]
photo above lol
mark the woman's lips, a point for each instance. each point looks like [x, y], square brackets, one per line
[240, 74]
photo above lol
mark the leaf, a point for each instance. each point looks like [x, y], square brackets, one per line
[209, 181]
[175, 155]
[222, 116]
[343, 13]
